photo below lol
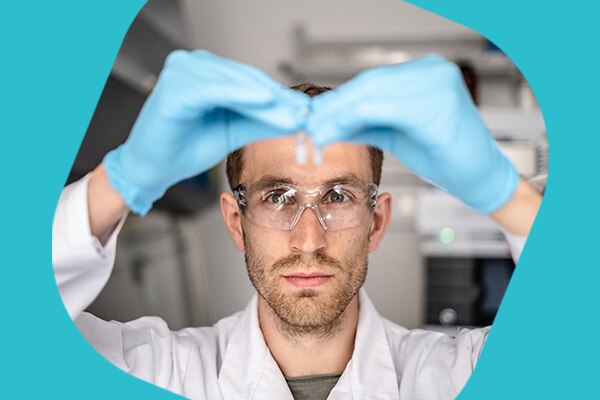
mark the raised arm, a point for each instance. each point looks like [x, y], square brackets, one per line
[106, 207]
[202, 108]
[422, 113]
[517, 215]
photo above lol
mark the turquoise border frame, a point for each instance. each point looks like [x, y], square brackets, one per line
[56, 58]
[543, 343]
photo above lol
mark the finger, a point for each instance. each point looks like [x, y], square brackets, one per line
[204, 64]
[235, 70]
[287, 108]
[327, 106]
[215, 82]
[405, 96]
[184, 96]
[354, 119]
[228, 131]
[411, 154]
[242, 130]
[428, 117]
[285, 112]
[383, 82]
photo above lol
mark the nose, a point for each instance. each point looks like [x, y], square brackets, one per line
[308, 235]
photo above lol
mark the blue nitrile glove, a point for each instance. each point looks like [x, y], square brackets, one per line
[202, 108]
[421, 112]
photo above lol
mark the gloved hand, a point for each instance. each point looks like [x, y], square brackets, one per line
[422, 113]
[202, 108]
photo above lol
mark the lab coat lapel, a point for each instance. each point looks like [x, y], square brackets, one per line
[370, 374]
[248, 370]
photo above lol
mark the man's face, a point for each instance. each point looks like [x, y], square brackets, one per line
[306, 275]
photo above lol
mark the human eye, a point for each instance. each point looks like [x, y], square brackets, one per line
[278, 197]
[338, 196]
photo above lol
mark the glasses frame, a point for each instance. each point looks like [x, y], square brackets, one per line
[239, 193]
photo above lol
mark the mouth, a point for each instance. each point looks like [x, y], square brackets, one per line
[304, 280]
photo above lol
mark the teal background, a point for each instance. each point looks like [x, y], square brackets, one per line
[56, 57]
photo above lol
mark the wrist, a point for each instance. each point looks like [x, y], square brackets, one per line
[498, 183]
[106, 207]
[518, 214]
[137, 198]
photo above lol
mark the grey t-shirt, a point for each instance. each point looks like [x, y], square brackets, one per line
[314, 387]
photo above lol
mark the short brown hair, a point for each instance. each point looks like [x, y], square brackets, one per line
[235, 159]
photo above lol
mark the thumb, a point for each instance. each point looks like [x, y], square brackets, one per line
[286, 112]
[412, 154]
[342, 126]
[241, 130]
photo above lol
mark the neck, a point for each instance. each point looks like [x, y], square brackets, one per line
[311, 352]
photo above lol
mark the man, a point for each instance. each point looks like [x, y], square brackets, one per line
[306, 230]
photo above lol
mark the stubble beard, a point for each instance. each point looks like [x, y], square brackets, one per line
[308, 312]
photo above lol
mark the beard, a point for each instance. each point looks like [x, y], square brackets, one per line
[308, 311]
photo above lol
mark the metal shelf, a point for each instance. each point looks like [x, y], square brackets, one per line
[338, 60]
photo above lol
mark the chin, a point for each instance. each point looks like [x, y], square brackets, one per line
[307, 293]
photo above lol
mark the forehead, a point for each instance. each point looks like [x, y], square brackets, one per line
[277, 158]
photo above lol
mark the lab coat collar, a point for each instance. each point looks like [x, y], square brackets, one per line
[371, 373]
[249, 371]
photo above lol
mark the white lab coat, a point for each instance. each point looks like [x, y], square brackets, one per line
[230, 360]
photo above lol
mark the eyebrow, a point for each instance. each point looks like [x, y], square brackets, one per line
[271, 180]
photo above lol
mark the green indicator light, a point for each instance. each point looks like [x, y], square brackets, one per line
[447, 235]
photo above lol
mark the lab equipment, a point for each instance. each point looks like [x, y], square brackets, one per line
[422, 113]
[301, 140]
[280, 206]
[317, 155]
[468, 287]
[301, 144]
[202, 108]
[301, 148]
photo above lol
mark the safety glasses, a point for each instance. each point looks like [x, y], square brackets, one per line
[280, 206]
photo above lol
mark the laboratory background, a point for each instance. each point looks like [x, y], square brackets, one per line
[441, 266]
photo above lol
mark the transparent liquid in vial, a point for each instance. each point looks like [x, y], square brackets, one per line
[301, 148]
[301, 145]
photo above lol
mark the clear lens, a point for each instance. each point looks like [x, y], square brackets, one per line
[280, 207]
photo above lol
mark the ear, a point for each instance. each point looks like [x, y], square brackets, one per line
[381, 220]
[232, 217]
